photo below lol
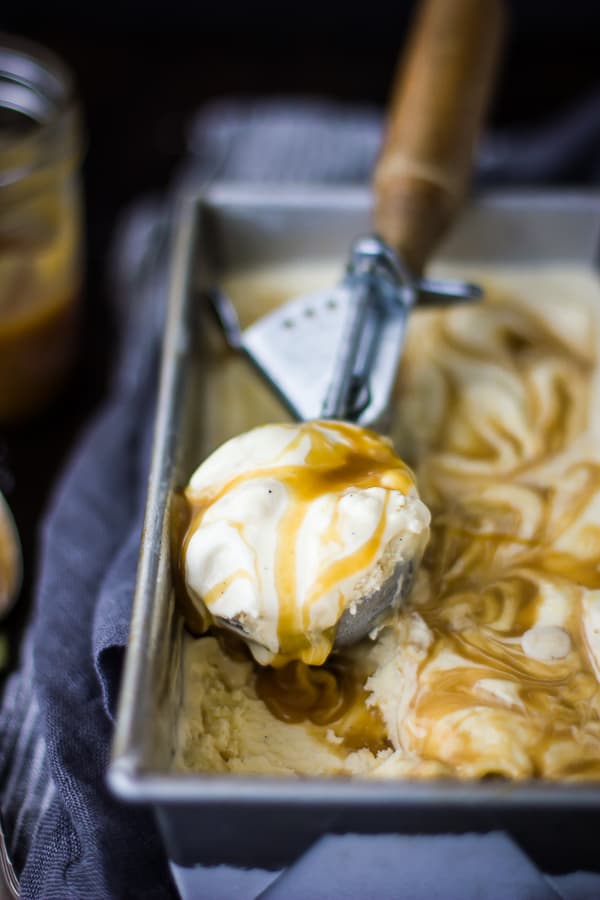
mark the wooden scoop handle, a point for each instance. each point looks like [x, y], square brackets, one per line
[438, 102]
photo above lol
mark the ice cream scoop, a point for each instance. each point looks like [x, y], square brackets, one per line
[334, 356]
[301, 537]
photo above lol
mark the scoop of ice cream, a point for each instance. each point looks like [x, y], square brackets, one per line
[291, 525]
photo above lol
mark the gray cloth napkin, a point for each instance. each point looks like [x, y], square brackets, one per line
[67, 836]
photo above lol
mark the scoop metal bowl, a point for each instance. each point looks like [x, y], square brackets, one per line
[357, 621]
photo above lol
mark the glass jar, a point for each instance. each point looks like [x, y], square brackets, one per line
[40, 227]
[11, 562]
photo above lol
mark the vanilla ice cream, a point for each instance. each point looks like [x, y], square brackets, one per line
[291, 526]
[493, 666]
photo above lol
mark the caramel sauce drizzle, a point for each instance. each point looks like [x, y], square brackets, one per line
[363, 460]
[492, 554]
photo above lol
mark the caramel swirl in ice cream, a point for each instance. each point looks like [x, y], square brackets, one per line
[501, 409]
[494, 667]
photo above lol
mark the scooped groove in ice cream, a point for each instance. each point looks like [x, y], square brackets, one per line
[293, 524]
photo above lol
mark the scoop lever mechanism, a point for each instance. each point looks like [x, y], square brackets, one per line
[335, 354]
[383, 292]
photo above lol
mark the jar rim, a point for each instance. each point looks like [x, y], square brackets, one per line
[35, 83]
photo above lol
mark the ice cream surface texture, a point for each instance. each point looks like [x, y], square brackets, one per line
[292, 525]
[493, 666]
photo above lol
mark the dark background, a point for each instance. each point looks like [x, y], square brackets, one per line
[144, 67]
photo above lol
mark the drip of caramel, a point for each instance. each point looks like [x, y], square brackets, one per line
[298, 692]
[330, 695]
[195, 615]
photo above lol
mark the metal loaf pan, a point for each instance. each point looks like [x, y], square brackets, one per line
[262, 821]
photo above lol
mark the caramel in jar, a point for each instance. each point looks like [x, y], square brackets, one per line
[40, 231]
